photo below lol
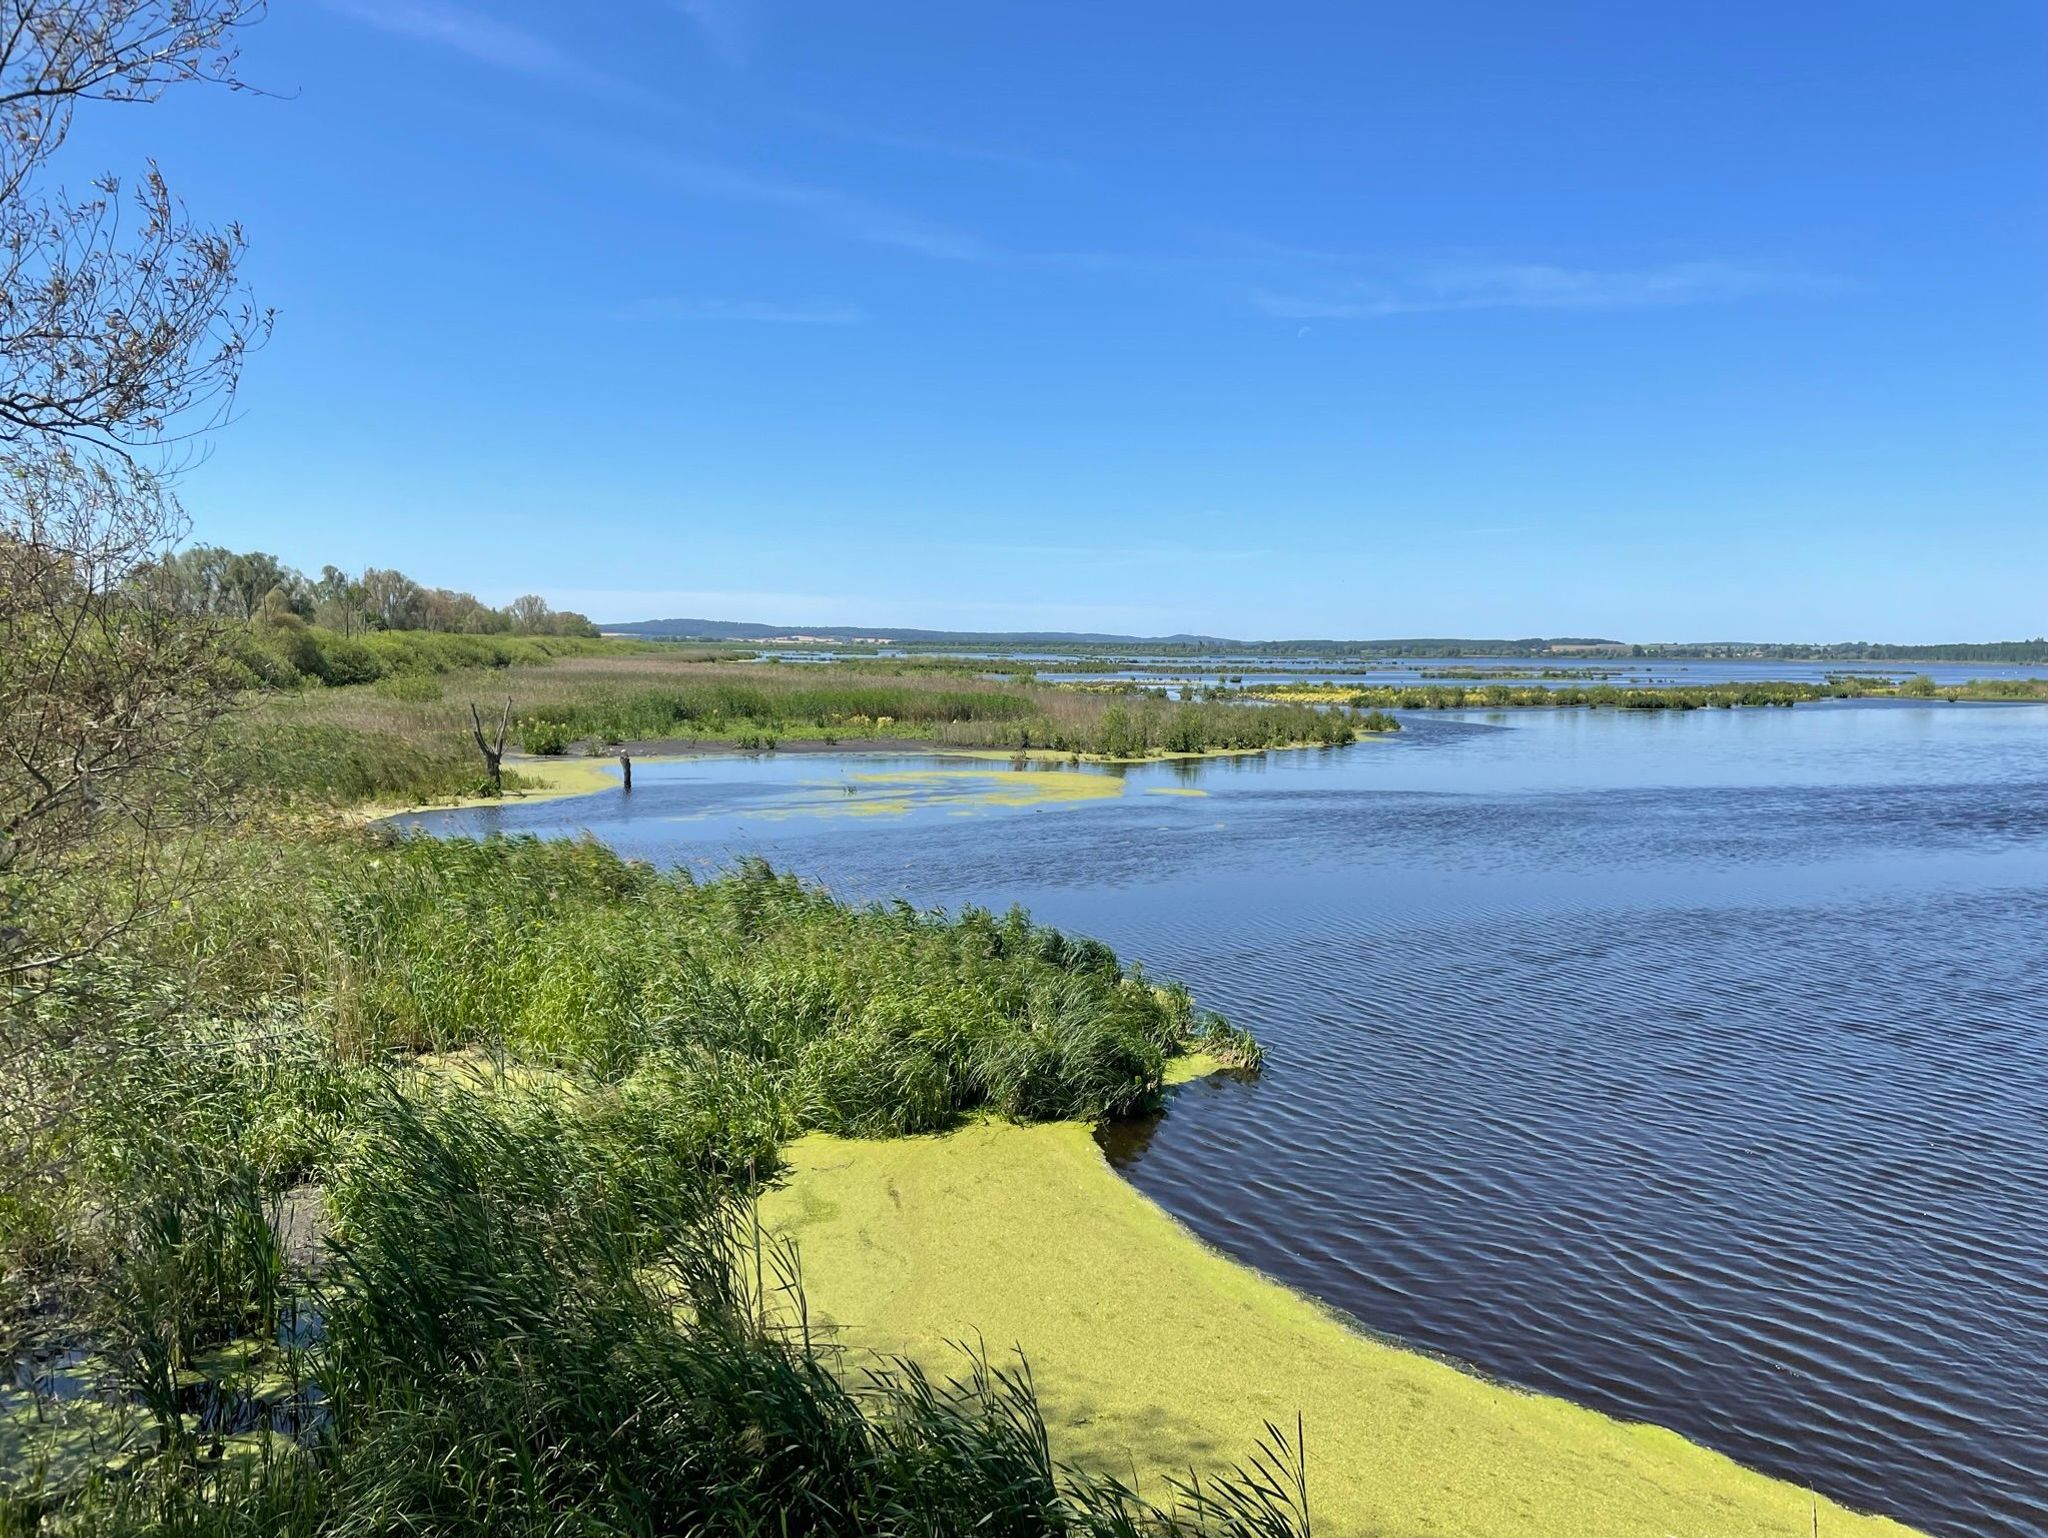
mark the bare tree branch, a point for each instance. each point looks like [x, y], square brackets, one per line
[123, 328]
[110, 331]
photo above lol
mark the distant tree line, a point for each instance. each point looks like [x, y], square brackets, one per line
[1853, 651]
[255, 585]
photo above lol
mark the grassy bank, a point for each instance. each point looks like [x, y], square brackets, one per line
[535, 1275]
[273, 1271]
[407, 740]
[1148, 1349]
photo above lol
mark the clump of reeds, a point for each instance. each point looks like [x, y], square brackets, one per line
[407, 738]
[544, 1306]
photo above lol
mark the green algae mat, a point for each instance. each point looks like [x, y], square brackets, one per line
[1152, 1352]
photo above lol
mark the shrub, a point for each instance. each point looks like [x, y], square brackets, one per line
[544, 1293]
[413, 688]
[538, 735]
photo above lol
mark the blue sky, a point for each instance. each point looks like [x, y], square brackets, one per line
[1670, 321]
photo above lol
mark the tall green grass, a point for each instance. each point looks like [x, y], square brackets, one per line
[297, 655]
[407, 738]
[759, 988]
[541, 1306]
[538, 1319]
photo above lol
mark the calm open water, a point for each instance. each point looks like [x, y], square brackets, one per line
[1693, 1066]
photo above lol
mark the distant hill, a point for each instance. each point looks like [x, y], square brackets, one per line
[2035, 651]
[740, 630]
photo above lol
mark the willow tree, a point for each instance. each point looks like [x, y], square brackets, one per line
[123, 330]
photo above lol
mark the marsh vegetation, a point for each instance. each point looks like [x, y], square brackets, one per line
[529, 1090]
[407, 737]
[1717, 696]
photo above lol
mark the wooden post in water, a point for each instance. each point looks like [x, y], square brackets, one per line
[626, 769]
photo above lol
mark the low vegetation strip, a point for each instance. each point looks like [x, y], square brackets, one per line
[1148, 1348]
[406, 739]
[1500, 696]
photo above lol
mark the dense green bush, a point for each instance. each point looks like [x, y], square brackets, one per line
[544, 737]
[715, 706]
[286, 653]
[1138, 724]
[869, 1020]
[412, 688]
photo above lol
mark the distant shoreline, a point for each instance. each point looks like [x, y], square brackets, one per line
[2018, 652]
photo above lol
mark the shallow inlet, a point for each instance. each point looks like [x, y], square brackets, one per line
[1688, 1066]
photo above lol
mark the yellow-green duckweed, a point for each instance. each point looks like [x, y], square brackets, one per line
[1152, 1352]
[956, 792]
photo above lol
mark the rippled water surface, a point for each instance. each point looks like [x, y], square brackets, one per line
[1693, 1066]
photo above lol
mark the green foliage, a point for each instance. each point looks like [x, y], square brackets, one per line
[1133, 724]
[541, 1296]
[413, 688]
[717, 706]
[399, 743]
[295, 656]
[522, 1334]
[871, 1020]
[1683, 696]
[1998, 689]
[347, 765]
[545, 738]
[208, 579]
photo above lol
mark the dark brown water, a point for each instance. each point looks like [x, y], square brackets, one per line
[1694, 1067]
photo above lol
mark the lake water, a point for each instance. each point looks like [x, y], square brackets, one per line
[1525, 672]
[1693, 1066]
[1568, 671]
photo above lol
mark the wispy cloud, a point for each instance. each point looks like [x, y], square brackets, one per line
[765, 311]
[848, 213]
[1526, 286]
[482, 38]
[727, 27]
[932, 145]
[831, 209]
[1287, 281]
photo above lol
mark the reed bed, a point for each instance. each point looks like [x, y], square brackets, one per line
[409, 739]
[530, 1091]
